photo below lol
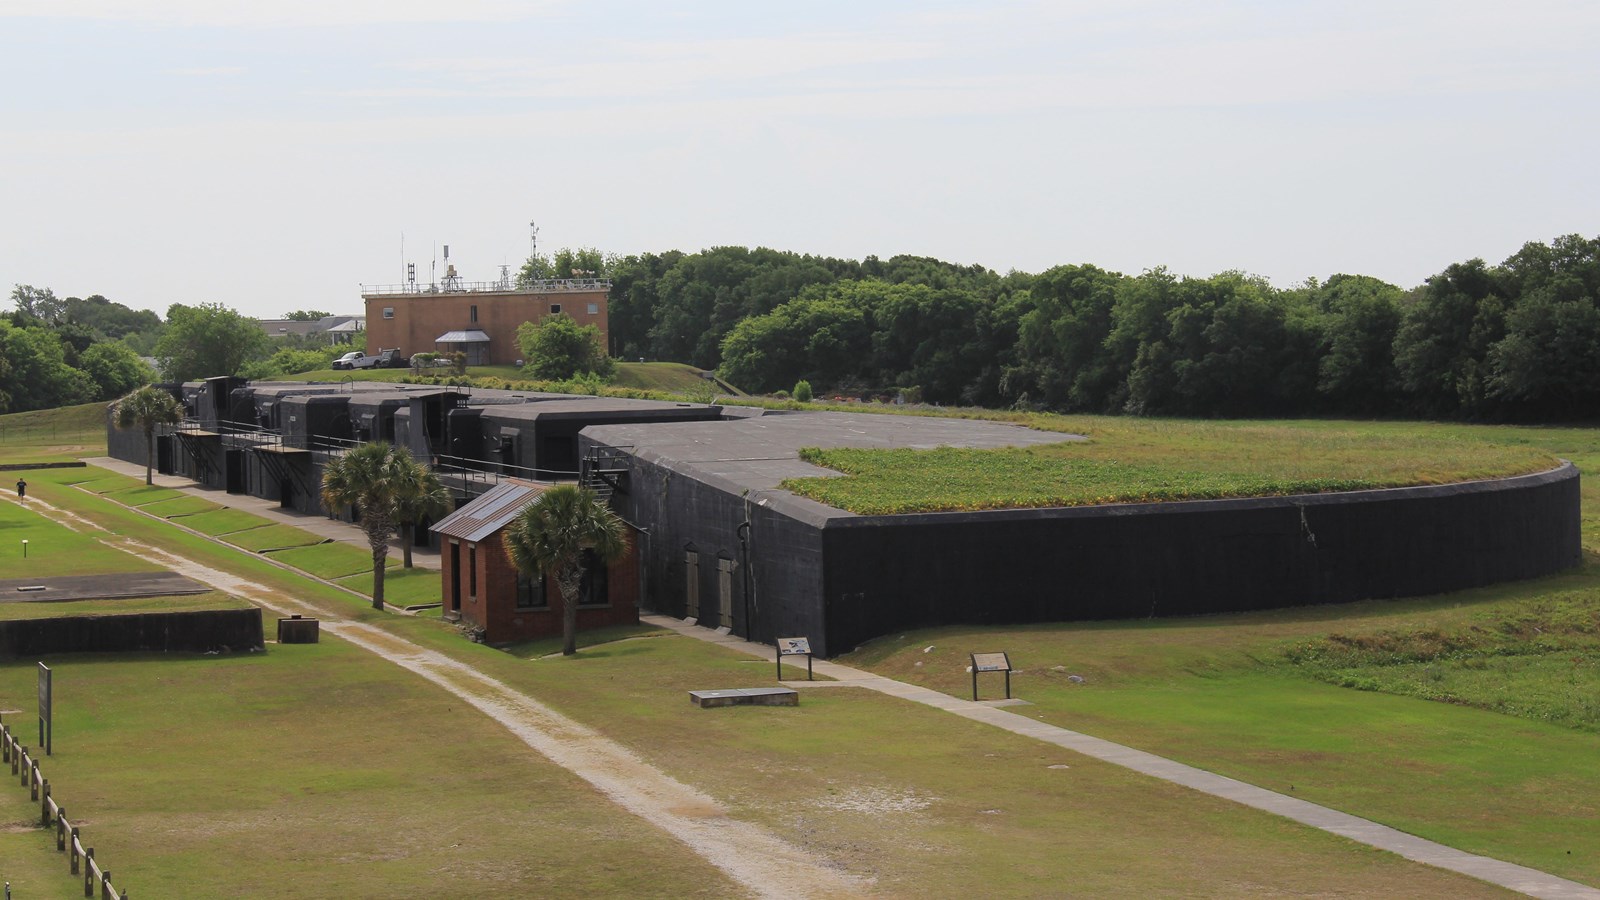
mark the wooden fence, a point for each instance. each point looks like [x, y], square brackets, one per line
[80, 858]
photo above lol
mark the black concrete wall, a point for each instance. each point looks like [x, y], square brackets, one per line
[886, 573]
[778, 568]
[172, 632]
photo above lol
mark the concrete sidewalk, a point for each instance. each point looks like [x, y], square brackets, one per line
[1522, 879]
[322, 526]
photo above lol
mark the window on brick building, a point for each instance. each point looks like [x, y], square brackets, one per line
[594, 309]
[474, 315]
[388, 312]
[530, 592]
[596, 587]
[555, 308]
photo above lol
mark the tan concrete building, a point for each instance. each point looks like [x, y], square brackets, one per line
[476, 318]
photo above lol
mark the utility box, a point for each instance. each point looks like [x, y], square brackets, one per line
[297, 630]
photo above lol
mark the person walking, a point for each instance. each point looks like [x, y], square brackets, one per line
[22, 489]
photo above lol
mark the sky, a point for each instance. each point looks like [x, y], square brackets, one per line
[276, 156]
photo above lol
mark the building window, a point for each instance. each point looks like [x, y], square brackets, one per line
[594, 309]
[530, 591]
[474, 314]
[555, 308]
[472, 571]
[388, 312]
[596, 587]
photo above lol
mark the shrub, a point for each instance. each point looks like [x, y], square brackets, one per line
[802, 391]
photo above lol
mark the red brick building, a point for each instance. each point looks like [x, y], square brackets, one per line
[476, 318]
[481, 585]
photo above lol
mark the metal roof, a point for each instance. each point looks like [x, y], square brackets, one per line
[491, 511]
[462, 337]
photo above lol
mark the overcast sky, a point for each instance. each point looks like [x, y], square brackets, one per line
[270, 155]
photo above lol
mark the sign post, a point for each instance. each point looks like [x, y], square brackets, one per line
[990, 662]
[46, 735]
[796, 646]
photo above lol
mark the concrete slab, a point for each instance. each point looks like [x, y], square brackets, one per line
[745, 697]
[120, 586]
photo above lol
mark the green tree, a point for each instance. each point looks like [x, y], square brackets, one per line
[306, 315]
[558, 348]
[559, 534]
[36, 373]
[145, 409]
[115, 369]
[419, 494]
[824, 339]
[371, 480]
[113, 320]
[802, 391]
[208, 340]
[38, 303]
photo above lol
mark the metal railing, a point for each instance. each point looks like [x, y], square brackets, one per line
[542, 286]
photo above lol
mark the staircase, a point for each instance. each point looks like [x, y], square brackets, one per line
[605, 471]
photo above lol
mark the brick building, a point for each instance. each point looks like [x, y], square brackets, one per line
[481, 586]
[479, 319]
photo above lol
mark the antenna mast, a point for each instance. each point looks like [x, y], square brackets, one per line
[533, 240]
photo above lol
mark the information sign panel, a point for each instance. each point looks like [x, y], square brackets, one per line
[990, 662]
[793, 646]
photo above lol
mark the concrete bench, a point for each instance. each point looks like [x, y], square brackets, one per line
[745, 697]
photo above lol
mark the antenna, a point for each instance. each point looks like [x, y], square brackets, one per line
[533, 240]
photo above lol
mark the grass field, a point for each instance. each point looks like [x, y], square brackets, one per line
[1140, 461]
[178, 603]
[331, 560]
[52, 549]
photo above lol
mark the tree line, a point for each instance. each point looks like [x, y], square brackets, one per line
[1518, 340]
[58, 351]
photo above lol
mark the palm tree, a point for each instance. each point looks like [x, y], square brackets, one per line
[372, 478]
[146, 408]
[419, 494]
[552, 535]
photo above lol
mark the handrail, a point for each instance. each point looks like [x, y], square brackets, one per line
[456, 286]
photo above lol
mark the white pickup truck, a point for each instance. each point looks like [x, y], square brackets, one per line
[384, 359]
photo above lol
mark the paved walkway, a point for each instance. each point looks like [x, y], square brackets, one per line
[1509, 875]
[322, 526]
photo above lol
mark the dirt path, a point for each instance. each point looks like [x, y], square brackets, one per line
[752, 856]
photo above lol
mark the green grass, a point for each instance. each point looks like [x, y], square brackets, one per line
[1138, 461]
[139, 496]
[65, 608]
[401, 587]
[223, 521]
[593, 637]
[270, 537]
[331, 560]
[53, 435]
[1235, 694]
[274, 774]
[53, 549]
[180, 506]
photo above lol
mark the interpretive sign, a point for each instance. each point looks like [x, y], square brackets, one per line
[794, 646]
[990, 662]
[45, 735]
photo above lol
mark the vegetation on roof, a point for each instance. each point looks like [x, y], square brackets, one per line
[1141, 461]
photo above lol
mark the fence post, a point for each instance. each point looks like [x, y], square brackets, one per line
[44, 806]
[33, 782]
[61, 829]
[88, 872]
[105, 886]
[74, 845]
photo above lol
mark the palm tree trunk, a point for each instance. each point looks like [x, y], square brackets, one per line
[149, 455]
[570, 583]
[405, 543]
[377, 581]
